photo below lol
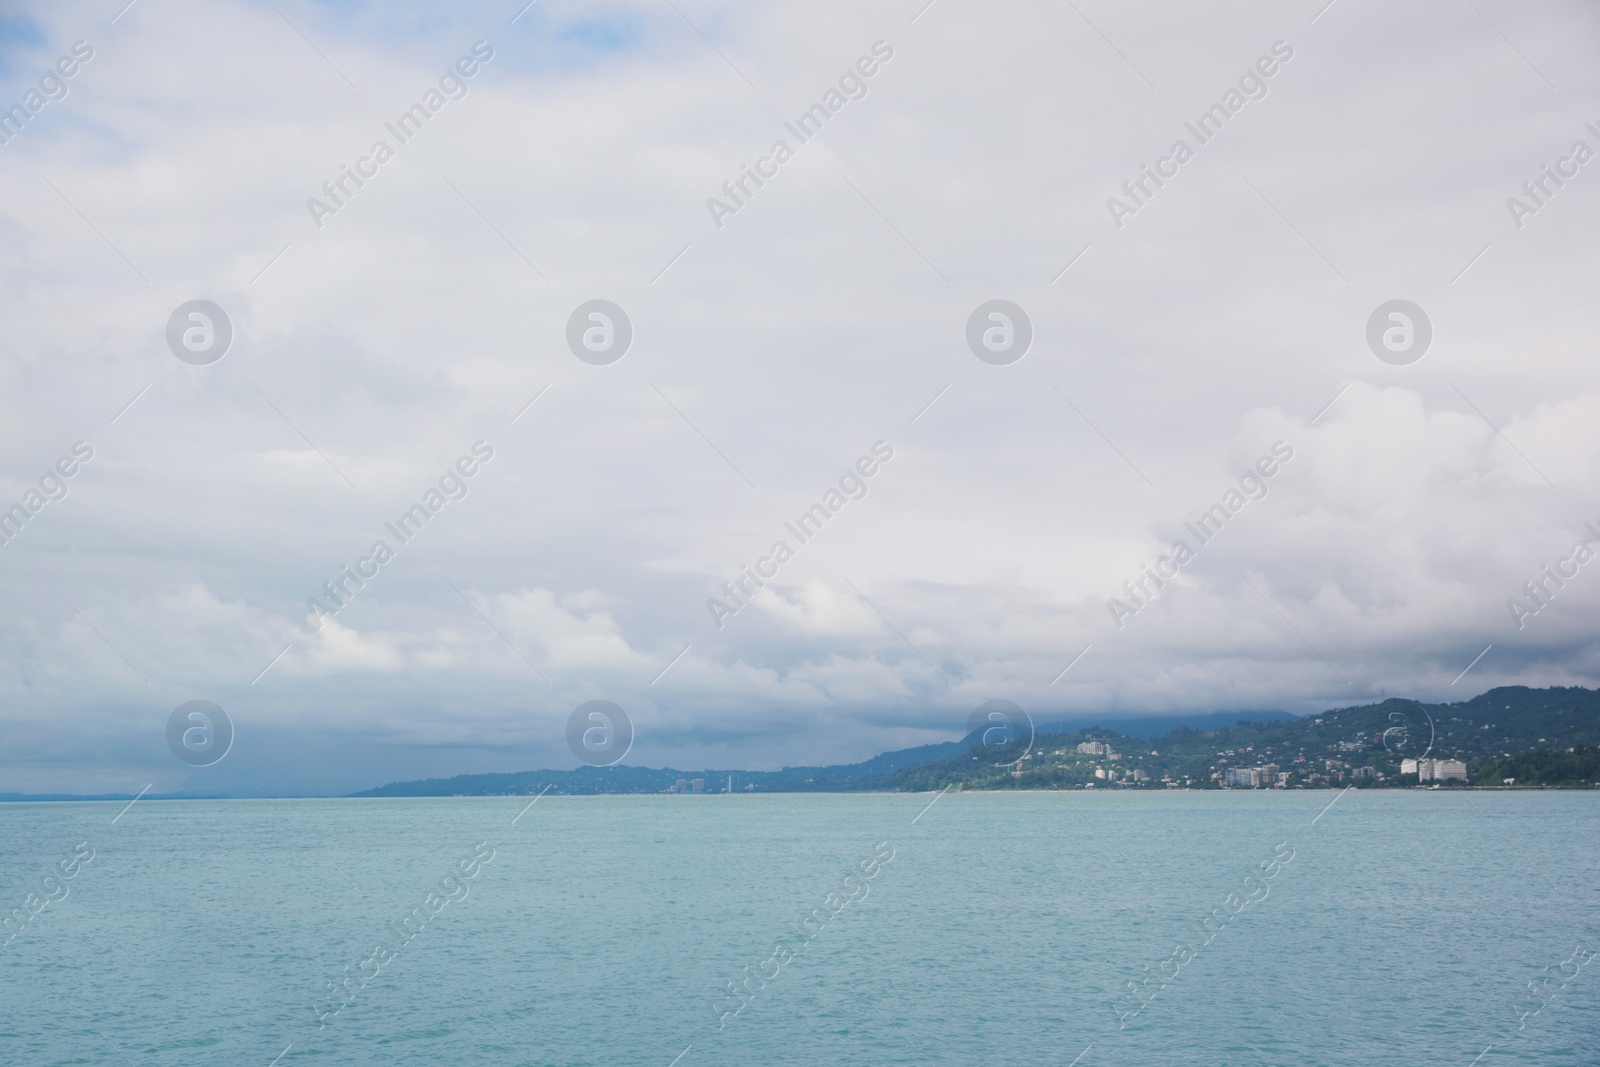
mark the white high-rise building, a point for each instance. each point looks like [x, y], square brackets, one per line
[1435, 770]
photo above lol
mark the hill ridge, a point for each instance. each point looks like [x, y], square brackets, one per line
[1326, 750]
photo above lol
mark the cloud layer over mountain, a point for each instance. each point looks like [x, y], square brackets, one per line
[771, 348]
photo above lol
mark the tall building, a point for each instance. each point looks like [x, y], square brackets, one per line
[1435, 770]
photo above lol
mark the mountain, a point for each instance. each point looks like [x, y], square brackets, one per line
[1319, 751]
[1361, 746]
[625, 779]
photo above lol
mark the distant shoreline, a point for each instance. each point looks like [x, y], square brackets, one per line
[19, 798]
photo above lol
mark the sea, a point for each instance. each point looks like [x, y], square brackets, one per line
[1075, 929]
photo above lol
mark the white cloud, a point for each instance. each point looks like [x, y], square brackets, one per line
[819, 608]
[338, 650]
[820, 318]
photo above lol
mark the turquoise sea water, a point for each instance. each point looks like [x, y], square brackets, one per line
[605, 930]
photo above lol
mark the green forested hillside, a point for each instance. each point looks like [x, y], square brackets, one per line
[1561, 767]
[1319, 751]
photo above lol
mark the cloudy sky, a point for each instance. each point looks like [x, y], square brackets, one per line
[382, 331]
